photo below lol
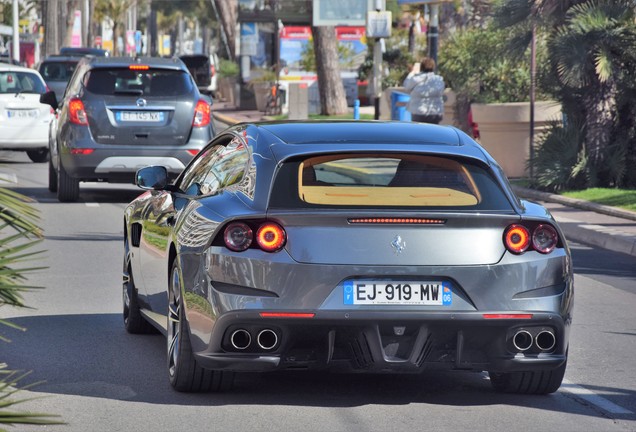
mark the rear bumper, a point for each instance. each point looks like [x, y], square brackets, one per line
[119, 163]
[384, 342]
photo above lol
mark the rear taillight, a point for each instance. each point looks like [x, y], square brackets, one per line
[193, 152]
[271, 237]
[201, 114]
[77, 114]
[544, 238]
[239, 236]
[517, 238]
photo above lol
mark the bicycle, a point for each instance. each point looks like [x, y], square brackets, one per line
[274, 103]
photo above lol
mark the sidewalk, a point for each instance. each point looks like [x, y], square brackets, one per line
[581, 221]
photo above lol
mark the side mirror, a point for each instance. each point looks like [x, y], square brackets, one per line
[152, 177]
[49, 98]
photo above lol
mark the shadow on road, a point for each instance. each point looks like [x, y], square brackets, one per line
[92, 355]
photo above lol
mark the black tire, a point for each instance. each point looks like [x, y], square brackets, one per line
[185, 373]
[52, 177]
[38, 155]
[134, 322]
[67, 186]
[538, 382]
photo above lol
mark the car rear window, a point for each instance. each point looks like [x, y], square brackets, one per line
[21, 82]
[57, 71]
[393, 181]
[151, 82]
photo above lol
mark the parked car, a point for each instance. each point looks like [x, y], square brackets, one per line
[122, 113]
[82, 51]
[57, 71]
[351, 246]
[24, 121]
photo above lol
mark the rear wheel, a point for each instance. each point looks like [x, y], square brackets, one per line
[133, 320]
[38, 155]
[67, 186]
[185, 373]
[538, 382]
[52, 177]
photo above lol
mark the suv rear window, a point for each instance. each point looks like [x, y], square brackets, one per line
[390, 181]
[21, 82]
[151, 82]
[57, 71]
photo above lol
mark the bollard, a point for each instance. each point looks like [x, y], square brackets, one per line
[356, 109]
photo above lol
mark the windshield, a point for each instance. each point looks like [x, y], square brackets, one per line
[57, 71]
[21, 82]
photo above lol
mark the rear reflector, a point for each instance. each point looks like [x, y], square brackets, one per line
[507, 316]
[420, 221]
[287, 315]
[82, 151]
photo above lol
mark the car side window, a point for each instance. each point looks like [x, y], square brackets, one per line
[219, 167]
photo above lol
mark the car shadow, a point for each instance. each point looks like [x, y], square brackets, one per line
[92, 355]
[101, 193]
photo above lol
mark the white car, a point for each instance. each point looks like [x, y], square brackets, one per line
[24, 121]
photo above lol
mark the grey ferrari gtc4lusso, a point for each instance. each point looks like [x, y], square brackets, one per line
[349, 246]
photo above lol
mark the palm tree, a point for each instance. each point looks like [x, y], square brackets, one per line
[589, 51]
[588, 42]
[18, 234]
[116, 11]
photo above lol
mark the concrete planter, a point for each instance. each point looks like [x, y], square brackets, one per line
[505, 131]
[227, 90]
[261, 91]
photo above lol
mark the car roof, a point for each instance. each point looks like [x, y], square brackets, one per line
[320, 136]
[321, 132]
[155, 62]
[62, 58]
[6, 67]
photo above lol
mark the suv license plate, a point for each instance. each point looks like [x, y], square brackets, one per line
[139, 116]
[397, 293]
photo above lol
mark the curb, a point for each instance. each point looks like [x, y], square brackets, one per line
[224, 118]
[576, 203]
[596, 235]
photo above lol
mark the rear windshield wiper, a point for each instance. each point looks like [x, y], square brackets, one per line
[134, 92]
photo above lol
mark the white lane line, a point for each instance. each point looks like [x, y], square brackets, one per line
[92, 204]
[593, 398]
[8, 178]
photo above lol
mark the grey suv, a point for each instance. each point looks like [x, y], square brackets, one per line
[119, 114]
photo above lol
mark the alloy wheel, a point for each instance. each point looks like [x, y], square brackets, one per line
[174, 324]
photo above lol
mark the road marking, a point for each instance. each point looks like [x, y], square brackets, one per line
[92, 204]
[8, 178]
[593, 398]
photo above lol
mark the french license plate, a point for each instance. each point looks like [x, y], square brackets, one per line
[139, 116]
[22, 113]
[397, 293]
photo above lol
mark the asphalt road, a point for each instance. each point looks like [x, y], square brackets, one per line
[99, 378]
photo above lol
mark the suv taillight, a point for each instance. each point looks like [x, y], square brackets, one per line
[76, 112]
[201, 114]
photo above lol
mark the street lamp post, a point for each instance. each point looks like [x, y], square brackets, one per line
[16, 33]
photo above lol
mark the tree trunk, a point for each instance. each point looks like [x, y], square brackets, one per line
[73, 5]
[228, 13]
[333, 100]
[600, 109]
[50, 28]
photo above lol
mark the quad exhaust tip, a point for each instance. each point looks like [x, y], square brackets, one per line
[545, 340]
[522, 340]
[241, 339]
[267, 339]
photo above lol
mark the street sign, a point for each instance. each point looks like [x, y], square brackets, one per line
[341, 12]
[379, 24]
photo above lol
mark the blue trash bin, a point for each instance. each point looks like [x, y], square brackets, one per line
[399, 101]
